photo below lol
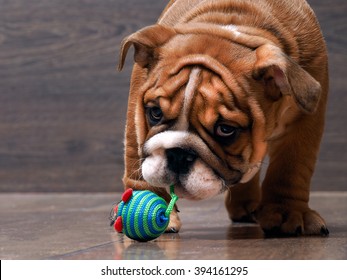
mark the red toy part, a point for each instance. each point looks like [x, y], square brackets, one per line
[118, 225]
[127, 195]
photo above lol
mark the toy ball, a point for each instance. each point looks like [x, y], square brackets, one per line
[142, 215]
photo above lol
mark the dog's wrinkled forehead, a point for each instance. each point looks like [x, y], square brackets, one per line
[196, 96]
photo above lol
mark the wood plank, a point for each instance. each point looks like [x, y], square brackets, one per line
[63, 104]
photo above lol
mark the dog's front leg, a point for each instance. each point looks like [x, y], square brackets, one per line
[242, 200]
[285, 193]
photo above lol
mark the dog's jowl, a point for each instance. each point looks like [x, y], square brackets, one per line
[218, 85]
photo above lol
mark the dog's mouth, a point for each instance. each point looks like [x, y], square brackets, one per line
[198, 181]
[189, 167]
[203, 184]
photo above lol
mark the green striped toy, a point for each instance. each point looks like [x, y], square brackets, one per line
[142, 215]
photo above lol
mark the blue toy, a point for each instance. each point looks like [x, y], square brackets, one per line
[142, 215]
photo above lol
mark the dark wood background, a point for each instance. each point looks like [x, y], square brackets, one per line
[63, 104]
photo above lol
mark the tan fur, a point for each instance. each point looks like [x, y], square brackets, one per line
[263, 68]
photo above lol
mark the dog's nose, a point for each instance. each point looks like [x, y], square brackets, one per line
[179, 160]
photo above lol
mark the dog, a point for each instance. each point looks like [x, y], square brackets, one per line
[216, 87]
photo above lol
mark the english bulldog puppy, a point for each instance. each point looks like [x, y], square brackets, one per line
[217, 86]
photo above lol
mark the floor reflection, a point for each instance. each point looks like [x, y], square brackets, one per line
[244, 231]
[164, 248]
[186, 244]
[236, 241]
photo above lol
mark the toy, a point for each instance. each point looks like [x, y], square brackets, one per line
[142, 215]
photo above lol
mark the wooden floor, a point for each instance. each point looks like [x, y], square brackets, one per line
[63, 104]
[76, 226]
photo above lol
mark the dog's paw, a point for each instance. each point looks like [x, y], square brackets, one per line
[242, 200]
[278, 220]
[174, 224]
[242, 212]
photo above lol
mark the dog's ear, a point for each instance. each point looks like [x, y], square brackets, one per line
[146, 41]
[283, 76]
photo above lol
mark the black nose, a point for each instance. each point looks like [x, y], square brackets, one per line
[179, 160]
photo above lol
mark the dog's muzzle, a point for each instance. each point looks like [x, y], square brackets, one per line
[183, 158]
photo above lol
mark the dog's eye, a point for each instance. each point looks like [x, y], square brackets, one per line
[155, 115]
[224, 130]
